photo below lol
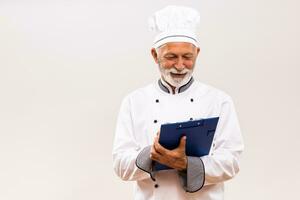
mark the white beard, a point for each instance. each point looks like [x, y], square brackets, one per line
[176, 82]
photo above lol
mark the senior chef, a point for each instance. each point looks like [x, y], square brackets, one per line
[175, 97]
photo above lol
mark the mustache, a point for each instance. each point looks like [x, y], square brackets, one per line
[175, 71]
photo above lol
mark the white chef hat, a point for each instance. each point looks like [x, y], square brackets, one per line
[175, 24]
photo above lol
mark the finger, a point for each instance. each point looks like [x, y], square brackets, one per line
[158, 134]
[159, 149]
[154, 155]
[152, 152]
[159, 158]
[182, 143]
[156, 138]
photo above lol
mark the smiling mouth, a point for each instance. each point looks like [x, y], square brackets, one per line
[175, 75]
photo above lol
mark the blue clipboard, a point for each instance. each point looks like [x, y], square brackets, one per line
[199, 136]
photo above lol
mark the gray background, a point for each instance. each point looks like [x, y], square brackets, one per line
[66, 65]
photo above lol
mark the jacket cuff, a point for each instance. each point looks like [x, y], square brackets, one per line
[193, 178]
[144, 162]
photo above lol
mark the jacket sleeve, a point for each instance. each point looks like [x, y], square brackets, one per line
[192, 179]
[125, 147]
[223, 162]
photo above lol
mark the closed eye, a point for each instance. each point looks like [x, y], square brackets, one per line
[170, 57]
[188, 56]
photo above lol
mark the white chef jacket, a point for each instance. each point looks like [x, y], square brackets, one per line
[141, 114]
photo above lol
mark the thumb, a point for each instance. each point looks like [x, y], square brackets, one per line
[182, 142]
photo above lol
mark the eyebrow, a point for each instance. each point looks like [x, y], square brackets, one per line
[188, 54]
[170, 54]
[173, 54]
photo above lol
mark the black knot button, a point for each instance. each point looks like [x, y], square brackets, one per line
[157, 100]
[191, 118]
[156, 185]
[155, 121]
[192, 99]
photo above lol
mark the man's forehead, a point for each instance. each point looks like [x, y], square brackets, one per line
[177, 46]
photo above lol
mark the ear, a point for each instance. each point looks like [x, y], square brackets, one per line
[198, 51]
[154, 55]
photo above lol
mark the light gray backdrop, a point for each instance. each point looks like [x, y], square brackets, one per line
[66, 65]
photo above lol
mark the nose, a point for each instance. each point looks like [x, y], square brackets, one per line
[179, 65]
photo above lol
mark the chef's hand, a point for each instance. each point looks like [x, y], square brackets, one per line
[175, 158]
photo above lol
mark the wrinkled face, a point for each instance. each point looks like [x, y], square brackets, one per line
[176, 61]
